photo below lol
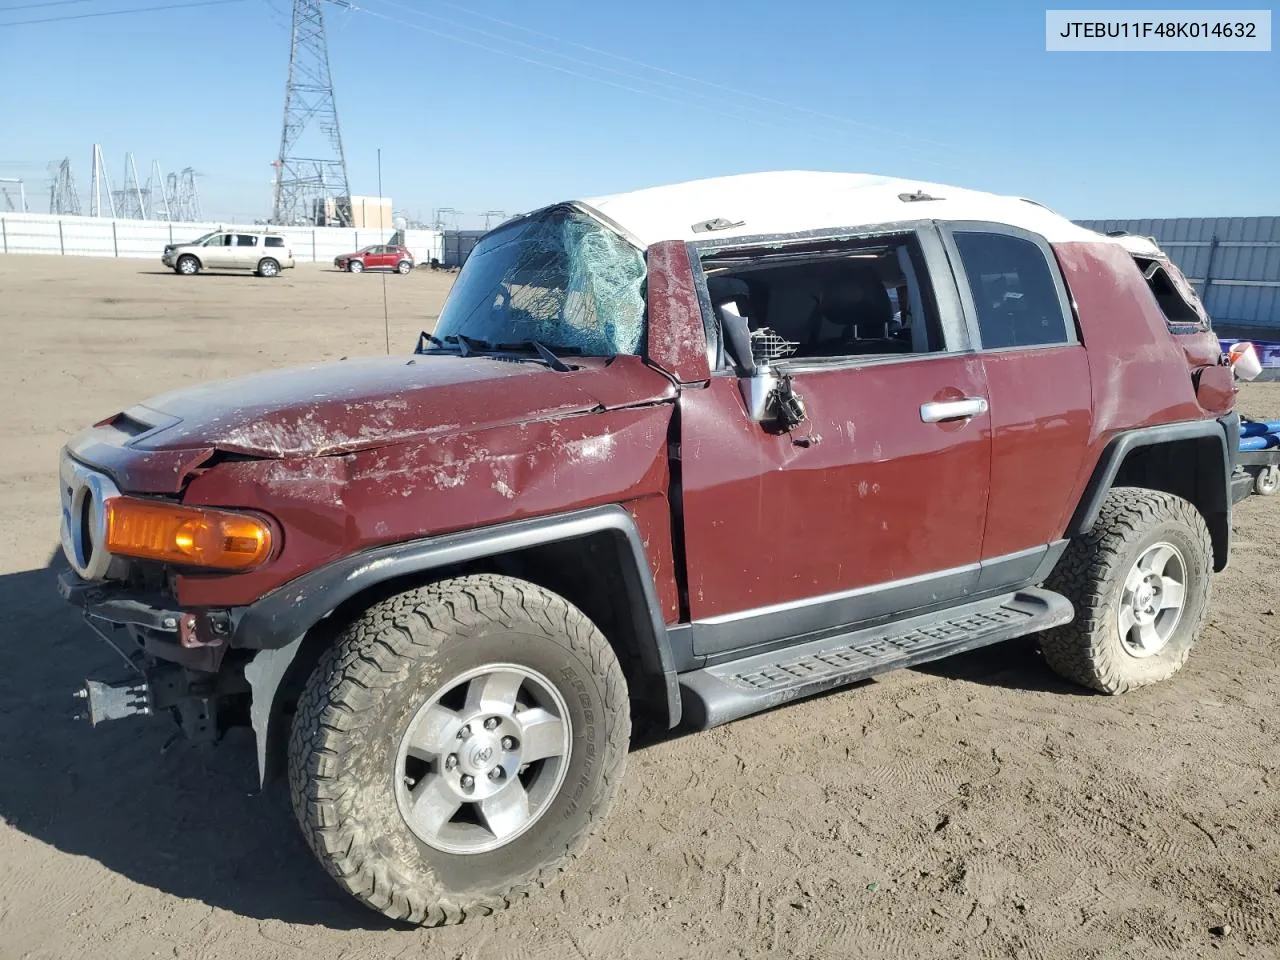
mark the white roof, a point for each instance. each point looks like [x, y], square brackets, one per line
[793, 201]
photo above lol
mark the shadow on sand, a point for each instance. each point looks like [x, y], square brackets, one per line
[189, 821]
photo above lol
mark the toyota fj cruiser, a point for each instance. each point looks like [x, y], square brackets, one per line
[678, 456]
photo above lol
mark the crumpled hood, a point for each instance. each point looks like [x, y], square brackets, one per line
[345, 406]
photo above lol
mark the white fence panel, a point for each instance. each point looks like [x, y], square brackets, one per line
[145, 239]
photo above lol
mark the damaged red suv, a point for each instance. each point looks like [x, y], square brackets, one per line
[674, 457]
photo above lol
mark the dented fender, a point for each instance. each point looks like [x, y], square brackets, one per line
[274, 624]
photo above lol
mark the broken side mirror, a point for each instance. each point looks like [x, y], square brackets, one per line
[772, 399]
[769, 397]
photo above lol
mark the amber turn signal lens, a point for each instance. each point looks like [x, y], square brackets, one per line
[191, 536]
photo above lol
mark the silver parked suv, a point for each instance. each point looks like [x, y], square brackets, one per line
[266, 254]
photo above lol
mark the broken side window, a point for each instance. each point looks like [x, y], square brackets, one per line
[851, 299]
[1178, 301]
[560, 278]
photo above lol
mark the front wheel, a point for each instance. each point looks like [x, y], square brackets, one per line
[355, 266]
[456, 744]
[1139, 581]
[188, 265]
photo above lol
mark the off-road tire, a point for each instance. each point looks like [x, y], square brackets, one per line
[1091, 574]
[187, 265]
[367, 686]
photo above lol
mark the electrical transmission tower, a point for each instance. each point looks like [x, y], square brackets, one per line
[21, 205]
[158, 194]
[183, 197]
[311, 171]
[101, 186]
[131, 201]
[64, 199]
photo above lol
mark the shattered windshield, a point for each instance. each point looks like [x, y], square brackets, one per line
[560, 279]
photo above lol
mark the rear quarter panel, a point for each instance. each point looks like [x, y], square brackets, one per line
[1138, 372]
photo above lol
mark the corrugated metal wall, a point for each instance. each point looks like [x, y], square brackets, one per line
[1234, 262]
[457, 246]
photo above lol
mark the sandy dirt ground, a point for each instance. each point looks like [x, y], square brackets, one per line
[974, 808]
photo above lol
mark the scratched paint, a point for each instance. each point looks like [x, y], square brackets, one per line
[334, 506]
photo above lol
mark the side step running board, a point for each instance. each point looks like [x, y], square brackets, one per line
[729, 691]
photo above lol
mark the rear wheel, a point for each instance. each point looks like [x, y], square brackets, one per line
[403, 267]
[355, 266]
[268, 268]
[188, 265]
[1139, 581]
[455, 745]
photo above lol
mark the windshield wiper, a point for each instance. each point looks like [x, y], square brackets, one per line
[554, 362]
[467, 345]
[425, 338]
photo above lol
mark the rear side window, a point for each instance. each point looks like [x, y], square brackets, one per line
[246, 240]
[275, 241]
[1013, 291]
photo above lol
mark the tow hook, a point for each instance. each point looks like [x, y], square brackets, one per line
[113, 701]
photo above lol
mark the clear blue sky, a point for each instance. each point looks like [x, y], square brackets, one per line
[964, 93]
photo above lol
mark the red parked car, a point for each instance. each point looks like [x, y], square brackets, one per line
[680, 455]
[380, 256]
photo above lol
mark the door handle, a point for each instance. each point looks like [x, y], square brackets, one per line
[940, 411]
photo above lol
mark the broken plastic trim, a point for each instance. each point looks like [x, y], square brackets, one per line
[918, 195]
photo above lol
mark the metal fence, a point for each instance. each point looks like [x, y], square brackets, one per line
[145, 239]
[1234, 262]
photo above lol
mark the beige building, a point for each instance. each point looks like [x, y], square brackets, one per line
[371, 212]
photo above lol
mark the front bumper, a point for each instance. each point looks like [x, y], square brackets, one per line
[194, 639]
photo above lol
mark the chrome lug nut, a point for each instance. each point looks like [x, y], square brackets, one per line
[464, 732]
[451, 761]
[508, 743]
[491, 723]
[468, 781]
[495, 773]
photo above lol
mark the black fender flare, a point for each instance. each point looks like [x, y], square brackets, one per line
[276, 624]
[1225, 432]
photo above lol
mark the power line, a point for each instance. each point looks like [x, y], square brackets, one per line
[718, 111]
[47, 3]
[117, 13]
[692, 79]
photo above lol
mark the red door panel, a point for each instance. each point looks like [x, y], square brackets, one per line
[877, 495]
[1041, 414]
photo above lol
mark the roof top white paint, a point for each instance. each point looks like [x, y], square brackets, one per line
[783, 202]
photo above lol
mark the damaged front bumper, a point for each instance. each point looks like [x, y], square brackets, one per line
[172, 659]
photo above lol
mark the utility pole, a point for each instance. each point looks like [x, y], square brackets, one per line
[311, 183]
[500, 214]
